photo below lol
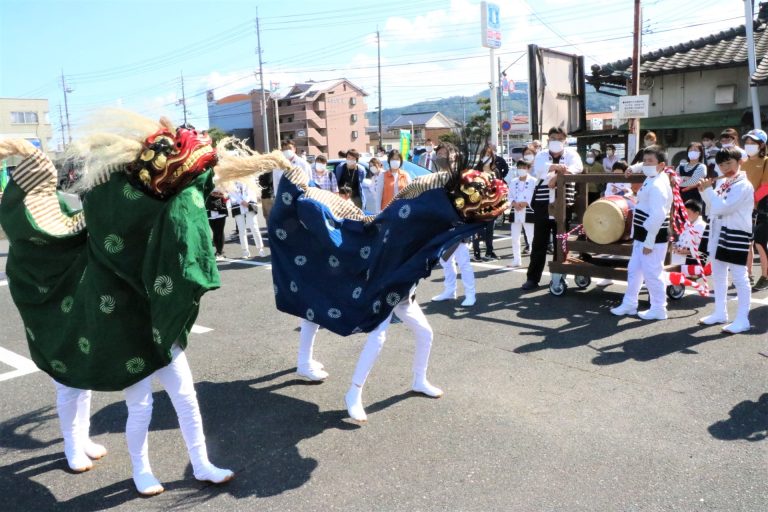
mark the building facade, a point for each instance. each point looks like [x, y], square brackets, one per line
[423, 126]
[27, 119]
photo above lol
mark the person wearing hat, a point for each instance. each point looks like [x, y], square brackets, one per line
[756, 169]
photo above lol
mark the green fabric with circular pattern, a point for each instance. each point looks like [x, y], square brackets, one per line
[102, 307]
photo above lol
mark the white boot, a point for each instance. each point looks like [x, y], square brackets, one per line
[422, 385]
[446, 295]
[623, 309]
[354, 402]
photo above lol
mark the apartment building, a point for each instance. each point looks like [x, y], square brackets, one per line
[27, 119]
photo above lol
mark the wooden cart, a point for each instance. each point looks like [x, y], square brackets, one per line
[587, 259]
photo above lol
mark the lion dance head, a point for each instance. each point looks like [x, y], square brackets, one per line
[479, 196]
[169, 161]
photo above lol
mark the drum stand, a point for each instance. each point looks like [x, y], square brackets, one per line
[587, 259]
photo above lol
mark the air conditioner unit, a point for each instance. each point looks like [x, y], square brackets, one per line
[353, 118]
[354, 134]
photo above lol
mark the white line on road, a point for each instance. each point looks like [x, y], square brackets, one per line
[22, 365]
[248, 262]
[199, 329]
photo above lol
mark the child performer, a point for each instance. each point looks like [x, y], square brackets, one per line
[650, 227]
[521, 189]
[687, 246]
[618, 188]
[730, 205]
[460, 257]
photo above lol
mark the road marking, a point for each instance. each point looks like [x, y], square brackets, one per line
[248, 262]
[22, 365]
[3, 279]
[199, 329]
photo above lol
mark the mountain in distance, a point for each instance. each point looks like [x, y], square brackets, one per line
[462, 108]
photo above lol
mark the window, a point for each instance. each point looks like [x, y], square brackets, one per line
[352, 101]
[24, 117]
[353, 118]
[354, 134]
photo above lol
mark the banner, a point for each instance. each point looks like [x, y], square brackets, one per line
[405, 143]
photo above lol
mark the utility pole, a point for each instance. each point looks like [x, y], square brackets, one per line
[61, 123]
[501, 100]
[66, 108]
[633, 86]
[261, 80]
[494, 102]
[749, 25]
[183, 100]
[378, 52]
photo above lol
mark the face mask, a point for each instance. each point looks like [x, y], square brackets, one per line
[351, 164]
[650, 170]
[394, 164]
[590, 160]
[522, 172]
[429, 149]
[706, 143]
[751, 149]
[528, 157]
[320, 167]
[650, 142]
[727, 145]
[287, 153]
[375, 170]
[556, 146]
[693, 155]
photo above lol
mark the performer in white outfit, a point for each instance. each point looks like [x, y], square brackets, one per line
[521, 188]
[650, 228]
[730, 204]
[458, 257]
[306, 366]
[176, 379]
[412, 316]
[74, 409]
[246, 198]
[370, 185]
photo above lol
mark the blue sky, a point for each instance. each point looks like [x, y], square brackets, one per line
[131, 53]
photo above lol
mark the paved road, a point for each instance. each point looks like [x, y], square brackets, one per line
[551, 404]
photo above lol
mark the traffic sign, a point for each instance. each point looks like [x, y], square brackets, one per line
[506, 126]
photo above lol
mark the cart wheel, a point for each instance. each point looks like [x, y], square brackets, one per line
[557, 289]
[675, 291]
[582, 282]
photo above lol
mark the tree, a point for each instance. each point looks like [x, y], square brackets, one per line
[474, 134]
[216, 135]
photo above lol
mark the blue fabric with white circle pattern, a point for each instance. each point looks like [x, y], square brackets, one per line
[347, 275]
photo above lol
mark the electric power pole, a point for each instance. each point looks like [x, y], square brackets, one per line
[183, 100]
[634, 86]
[261, 81]
[66, 108]
[378, 52]
[61, 123]
[751, 63]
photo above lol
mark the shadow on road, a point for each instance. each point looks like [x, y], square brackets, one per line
[748, 420]
[250, 427]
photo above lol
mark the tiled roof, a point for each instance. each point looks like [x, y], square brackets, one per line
[724, 49]
[418, 119]
[761, 73]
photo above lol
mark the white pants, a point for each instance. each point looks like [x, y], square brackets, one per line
[648, 268]
[74, 409]
[250, 221]
[306, 342]
[517, 227]
[412, 316]
[720, 284]
[177, 380]
[459, 257]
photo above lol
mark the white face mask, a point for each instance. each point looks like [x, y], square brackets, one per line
[556, 146]
[650, 170]
[693, 155]
[375, 170]
[320, 167]
[751, 149]
[522, 173]
[394, 164]
[351, 164]
[430, 149]
[590, 159]
[649, 142]
[707, 143]
[528, 157]
[486, 159]
[287, 153]
[727, 145]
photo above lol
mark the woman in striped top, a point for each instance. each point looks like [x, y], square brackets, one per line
[730, 205]
[692, 172]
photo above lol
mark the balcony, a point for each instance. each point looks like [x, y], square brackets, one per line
[293, 126]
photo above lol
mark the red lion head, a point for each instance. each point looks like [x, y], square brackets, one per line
[479, 196]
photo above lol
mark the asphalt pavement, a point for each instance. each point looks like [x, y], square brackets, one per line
[551, 404]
